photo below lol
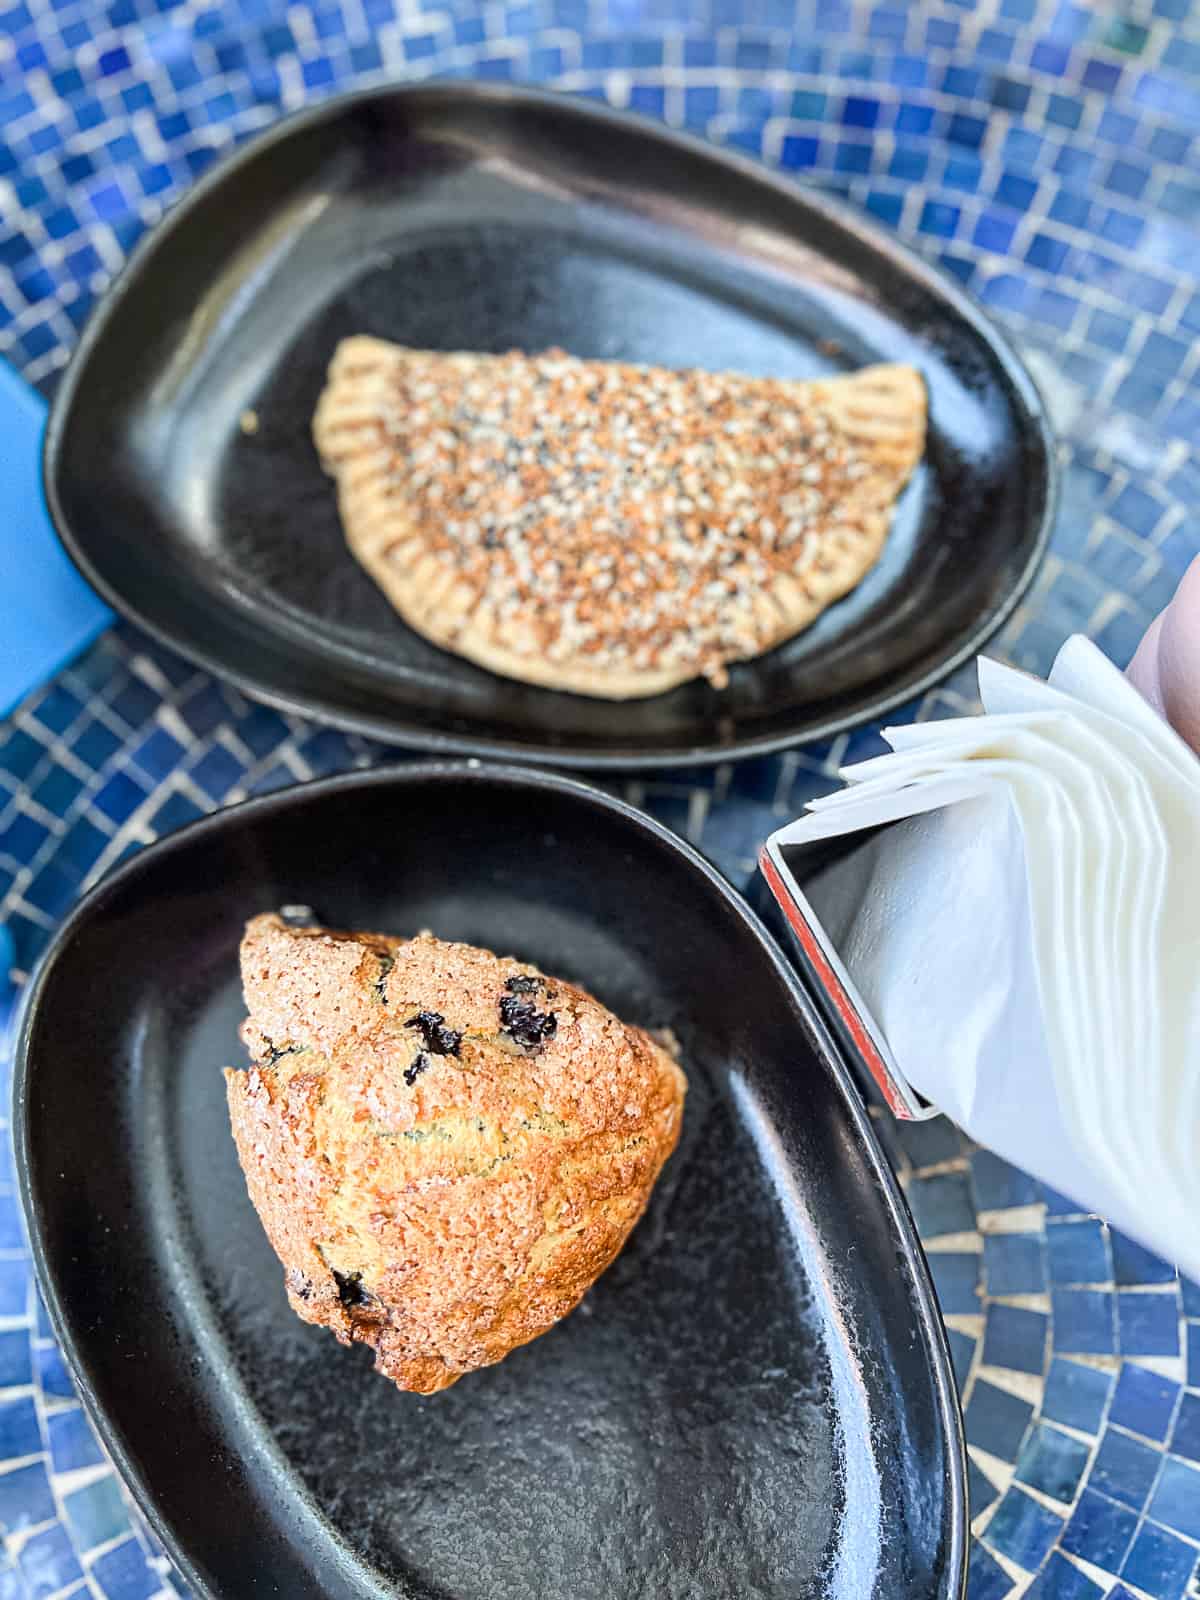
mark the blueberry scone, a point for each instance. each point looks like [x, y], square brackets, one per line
[446, 1148]
[610, 529]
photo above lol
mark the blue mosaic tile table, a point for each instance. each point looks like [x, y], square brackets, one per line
[1048, 156]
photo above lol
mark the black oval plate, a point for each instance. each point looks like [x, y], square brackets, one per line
[473, 217]
[756, 1400]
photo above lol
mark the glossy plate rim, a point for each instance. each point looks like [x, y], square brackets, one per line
[418, 774]
[400, 732]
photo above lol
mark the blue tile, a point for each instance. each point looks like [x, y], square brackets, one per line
[981, 1491]
[1099, 1531]
[1016, 191]
[942, 1204]
[939, 219]
[1077, 1252]
[859, 112]
[1015, 1338]
[19, 1431]
[120, 796]
[1124, 1468]
[1083, 1322]
[956, 1278]
[48, 1563]
[1193, 1354]
[1023, 1530]
[962, 1353]
[15, 1364]
[53, 1376]
[1144, 1402]
[1050, 57]
[996, 1420]
[987, 1579]
[96, 1513]
[1176, 1500]
[1013, 1263]
[1052, 1462]
[72, 1441]
[124, 1574]
[1185, 1438]
[1101, 75]
[999, 1186]
[913, 119]
[14, 1288]
[1060, 1580]
[798, 150]
[1159, 1563]
[1148, 1323]
[1046, 253]
[25, 1498]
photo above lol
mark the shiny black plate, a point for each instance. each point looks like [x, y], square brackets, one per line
[754, 1403]
[470, 217]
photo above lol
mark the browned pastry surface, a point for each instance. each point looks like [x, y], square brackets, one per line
[446, 1148]
[611, 529]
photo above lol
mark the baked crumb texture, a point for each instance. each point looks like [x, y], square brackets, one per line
[610, 529]
[446, 1148]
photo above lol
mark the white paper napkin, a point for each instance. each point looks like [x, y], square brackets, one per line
[1028, 939]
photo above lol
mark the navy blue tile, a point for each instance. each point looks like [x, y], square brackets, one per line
[1060, 1580]
[1052, 1462]
[996, 1420]
[1132, 1262]
[72, 1441]
[175, 811]
[962, 1353]
[120, 796]
[1159, 1563]
[1015, 1338]
[986, 1578]
[1077, 1252]
[1124, 1468]
[1023, 1530]
[1099, 1531]
[48, 1563]
[1193, 1354]
[981, 1491]
[1144, 1402]
[1148, 1323]
[999, 1186]
[1176, 1499]
[956, 1278]
[1083, 1322]
[942, 1204]
[1014, 1263]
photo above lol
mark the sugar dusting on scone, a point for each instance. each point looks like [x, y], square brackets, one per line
[446, 1148]
[611, 529]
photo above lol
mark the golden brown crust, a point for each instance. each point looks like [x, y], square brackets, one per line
[442, 1212]
[604, 528]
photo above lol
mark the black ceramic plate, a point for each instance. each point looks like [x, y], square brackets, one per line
[471, 217]
[754, 1403]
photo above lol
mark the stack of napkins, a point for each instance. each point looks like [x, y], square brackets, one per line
[1025, 935]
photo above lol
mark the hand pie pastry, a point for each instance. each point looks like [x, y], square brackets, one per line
[609, 529]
